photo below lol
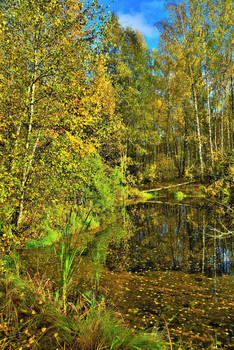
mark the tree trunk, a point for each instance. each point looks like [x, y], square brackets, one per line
[222, 131]
[198, 132]
[209, 123]
[185, 145]
[24, 181]
[231, 120]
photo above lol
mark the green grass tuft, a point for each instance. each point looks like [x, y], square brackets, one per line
[180, 195]
[147, 195]
[49, 239]
[31, 317]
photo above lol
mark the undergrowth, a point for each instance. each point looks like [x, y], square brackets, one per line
[32, 317]
[37, 312]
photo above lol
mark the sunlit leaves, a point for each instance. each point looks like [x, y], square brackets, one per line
[130, 65]
[55, 97]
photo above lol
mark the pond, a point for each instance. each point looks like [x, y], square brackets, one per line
[172, 271]
[175, 236]
[162, 265]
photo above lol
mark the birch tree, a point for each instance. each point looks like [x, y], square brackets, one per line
[42, 44]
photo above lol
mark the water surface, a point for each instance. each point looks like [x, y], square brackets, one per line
[161, 265]
[172, 269]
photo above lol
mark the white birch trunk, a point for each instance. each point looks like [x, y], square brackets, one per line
[28, 157]
[198, 128]
[209, 124]
[24, 181]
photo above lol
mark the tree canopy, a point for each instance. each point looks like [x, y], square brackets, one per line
[86, 108]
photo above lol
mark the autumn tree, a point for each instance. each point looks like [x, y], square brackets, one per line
[131, 68]
[47, 49]
[195, 52]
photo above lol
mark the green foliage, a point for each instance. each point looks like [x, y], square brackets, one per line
[49, 228]
[193, 52]
[9, 262]
[131, 69]
[180, 195]
[163, 169]
[89, 107]
[54, 114]
[101, 187]
[144, 195]
[48, 239]
[86, 111]
[98, 187]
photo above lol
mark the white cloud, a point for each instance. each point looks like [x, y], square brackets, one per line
[149, 12]
[137, 21]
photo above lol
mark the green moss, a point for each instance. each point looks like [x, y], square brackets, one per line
[180, 195]
[144, 196]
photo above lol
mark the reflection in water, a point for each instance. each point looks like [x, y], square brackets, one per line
[174, 237]
[169, 266]
[170, 248]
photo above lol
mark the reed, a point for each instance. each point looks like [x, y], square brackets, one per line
[35, 315]
[70, 253]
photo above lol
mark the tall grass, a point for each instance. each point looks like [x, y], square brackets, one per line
[70, 253]
[31, 318]
[100, 330]
[31, 315]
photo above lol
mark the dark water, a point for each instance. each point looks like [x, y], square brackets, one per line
[163, 265]
[166, 266]
[175, 236]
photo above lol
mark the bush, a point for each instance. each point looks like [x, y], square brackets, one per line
[163, 169]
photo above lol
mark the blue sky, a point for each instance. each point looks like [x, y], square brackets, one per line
[141, 15]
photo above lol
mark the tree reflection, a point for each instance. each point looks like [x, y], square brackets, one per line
[162, 236]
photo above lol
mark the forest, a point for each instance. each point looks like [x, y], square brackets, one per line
[89, 115]
[87, 108]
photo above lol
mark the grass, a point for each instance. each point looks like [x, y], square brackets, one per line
[144, 196]
[49, 239]
[39, 313]
[31, 317]
[180, 195]
[69, 253]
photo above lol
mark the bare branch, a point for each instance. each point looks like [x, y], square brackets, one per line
[221, 234]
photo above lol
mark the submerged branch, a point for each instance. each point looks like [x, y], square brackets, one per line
[223, 204]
